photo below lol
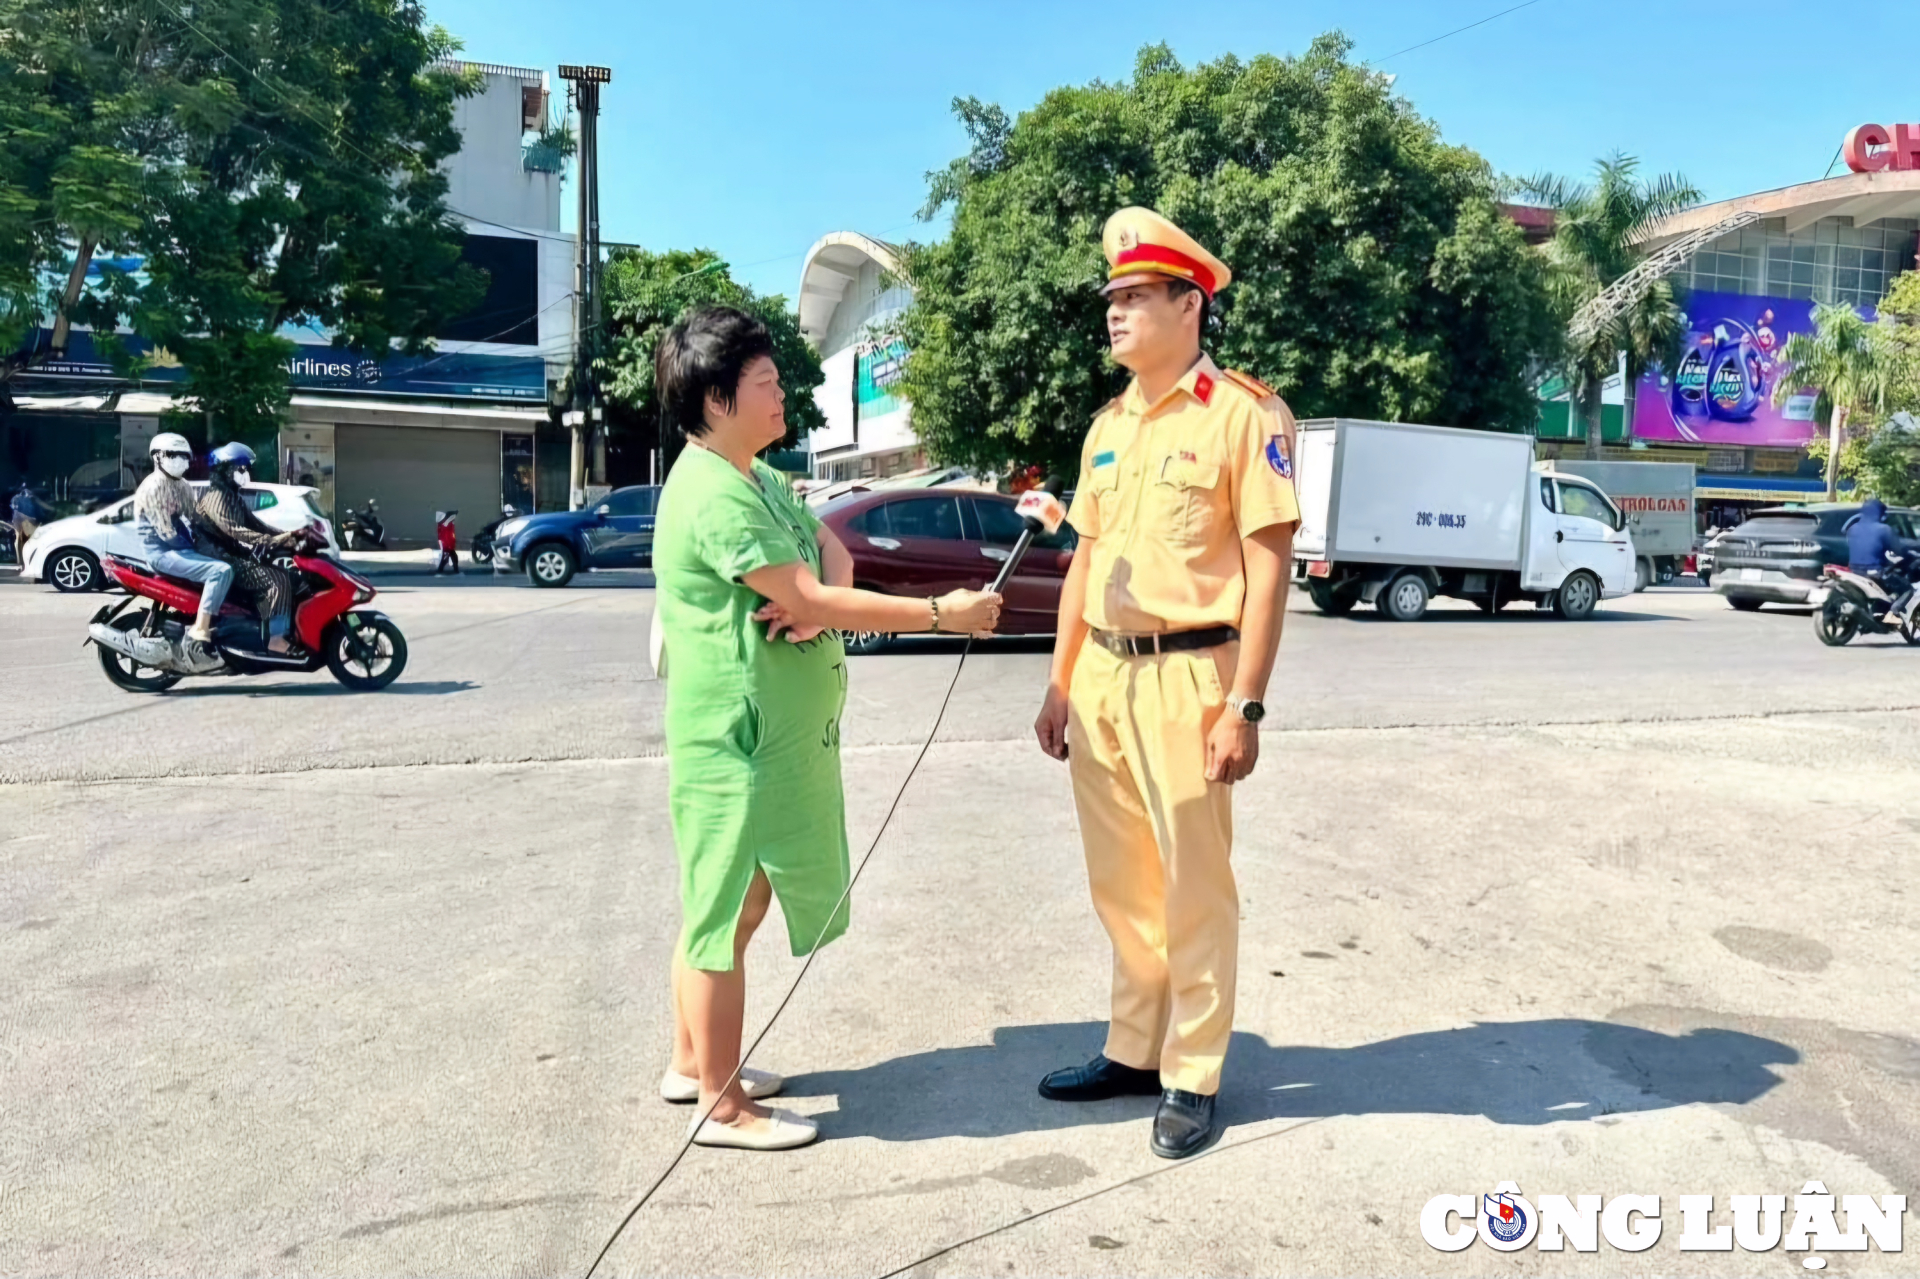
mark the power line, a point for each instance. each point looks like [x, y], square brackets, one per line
[1456, 31]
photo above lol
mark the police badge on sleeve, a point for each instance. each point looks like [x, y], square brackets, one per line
[1277, 457]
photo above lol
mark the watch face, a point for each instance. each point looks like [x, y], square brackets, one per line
[1253, 712]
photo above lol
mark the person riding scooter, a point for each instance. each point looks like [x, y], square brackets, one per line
[1874, 550]
[235, 534]
[164, 520]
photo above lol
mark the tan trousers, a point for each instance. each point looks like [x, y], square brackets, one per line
[1159, 838]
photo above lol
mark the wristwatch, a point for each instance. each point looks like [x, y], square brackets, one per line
[1248, 709]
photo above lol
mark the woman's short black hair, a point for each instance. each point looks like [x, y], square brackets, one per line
[705, 352]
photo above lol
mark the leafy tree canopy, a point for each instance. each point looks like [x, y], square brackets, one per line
[272, 162]
[646, 293]
[1374, 275]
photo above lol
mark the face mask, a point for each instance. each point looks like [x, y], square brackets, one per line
[242, 476]
[174, 467]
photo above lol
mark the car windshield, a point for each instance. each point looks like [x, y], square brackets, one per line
[1795, 526]
[313, 506]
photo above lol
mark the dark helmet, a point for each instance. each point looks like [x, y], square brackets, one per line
[224, 460]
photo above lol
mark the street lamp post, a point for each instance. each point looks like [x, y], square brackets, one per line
[584, 88]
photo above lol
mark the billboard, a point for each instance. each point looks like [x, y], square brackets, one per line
[1722, 387]
[319, 367]
[878, 363]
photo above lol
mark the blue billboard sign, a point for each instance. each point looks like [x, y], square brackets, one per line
[320, 367]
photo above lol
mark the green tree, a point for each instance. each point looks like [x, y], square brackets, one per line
[646, 293]
[273, 162]
[1849, 360]
[1598, 229]
[1373, 274]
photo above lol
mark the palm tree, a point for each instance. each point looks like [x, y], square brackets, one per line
[1597, 233]
[1846, 359]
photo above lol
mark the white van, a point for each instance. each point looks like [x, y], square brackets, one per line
[1393, 514]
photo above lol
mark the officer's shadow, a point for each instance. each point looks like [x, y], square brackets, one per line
[1525, 1072]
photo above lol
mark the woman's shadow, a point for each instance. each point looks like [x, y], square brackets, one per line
[1526, 1072]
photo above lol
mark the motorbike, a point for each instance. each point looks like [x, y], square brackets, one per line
[362, 529]
[482, 545]
[145, 649]
[1846, 604]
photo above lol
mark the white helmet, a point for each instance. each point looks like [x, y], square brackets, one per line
[171, 453]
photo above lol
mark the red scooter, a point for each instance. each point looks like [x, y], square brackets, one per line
[146, 650]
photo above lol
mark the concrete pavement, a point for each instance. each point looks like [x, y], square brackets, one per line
[310, 983]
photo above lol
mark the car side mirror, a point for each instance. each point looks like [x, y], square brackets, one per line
[602, 510]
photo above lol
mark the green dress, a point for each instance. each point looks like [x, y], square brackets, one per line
[753, 727]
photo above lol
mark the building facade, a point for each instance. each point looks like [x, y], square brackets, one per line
[850, 298]
[466, 427]
[1746, 291]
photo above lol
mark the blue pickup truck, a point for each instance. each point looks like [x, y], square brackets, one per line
[615, 532]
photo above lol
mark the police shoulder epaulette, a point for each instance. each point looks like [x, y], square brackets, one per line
[1250, 384]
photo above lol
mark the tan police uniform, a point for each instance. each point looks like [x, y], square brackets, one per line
[1167, 491]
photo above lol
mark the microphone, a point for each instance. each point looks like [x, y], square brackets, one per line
[1040, 511]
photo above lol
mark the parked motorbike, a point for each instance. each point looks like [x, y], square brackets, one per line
[146, 650]
[362, 530]
[1846, 604]
[483, 540]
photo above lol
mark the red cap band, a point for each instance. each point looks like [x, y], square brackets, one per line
[1156, 257]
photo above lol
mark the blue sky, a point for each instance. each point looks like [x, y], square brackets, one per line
[754, 128]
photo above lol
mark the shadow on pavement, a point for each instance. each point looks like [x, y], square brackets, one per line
[332, 688]
[1527, 1072]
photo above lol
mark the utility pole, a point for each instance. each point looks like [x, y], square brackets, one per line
[584, 415]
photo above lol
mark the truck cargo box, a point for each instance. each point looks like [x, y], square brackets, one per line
[1399, 493]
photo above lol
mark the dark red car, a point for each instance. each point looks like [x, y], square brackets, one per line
[924, 542]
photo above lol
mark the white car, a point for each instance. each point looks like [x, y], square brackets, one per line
[67, 552]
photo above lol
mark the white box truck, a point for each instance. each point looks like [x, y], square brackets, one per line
[1392, 514]
[1657, 498]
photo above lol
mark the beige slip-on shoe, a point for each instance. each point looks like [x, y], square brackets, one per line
[759, 1084]
[781, 1130]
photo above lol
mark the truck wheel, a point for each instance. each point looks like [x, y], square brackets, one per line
[1642, 576]
[550, 564]
[1577, 597]
[1331, 600]
[1404, 599]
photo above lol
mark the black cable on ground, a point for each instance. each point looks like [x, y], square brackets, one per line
[799, 977]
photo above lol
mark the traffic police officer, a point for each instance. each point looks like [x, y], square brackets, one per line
[1169, 620]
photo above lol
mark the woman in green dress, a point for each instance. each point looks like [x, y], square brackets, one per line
[752, 592]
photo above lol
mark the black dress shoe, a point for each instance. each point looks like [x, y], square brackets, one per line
[1184, 1124]
[1098, 1080]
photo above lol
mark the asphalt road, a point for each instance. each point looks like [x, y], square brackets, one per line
[302, 982]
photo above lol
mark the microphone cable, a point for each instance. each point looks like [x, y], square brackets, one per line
[938, 719]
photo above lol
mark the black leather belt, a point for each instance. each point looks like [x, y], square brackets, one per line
[1171, 642]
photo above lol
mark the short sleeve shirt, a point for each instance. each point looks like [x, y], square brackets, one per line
[1168, 490]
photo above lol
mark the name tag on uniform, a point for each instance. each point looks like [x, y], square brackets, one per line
[1102, 459]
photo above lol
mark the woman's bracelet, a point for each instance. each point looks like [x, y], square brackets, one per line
[933, 607]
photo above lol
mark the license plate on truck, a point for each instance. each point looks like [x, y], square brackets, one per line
[1752, 574]
[1319, 568]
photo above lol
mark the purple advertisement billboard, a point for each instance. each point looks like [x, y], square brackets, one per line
[1722, 389]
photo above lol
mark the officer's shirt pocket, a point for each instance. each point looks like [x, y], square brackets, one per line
[1188, 496]
[1104, 484]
